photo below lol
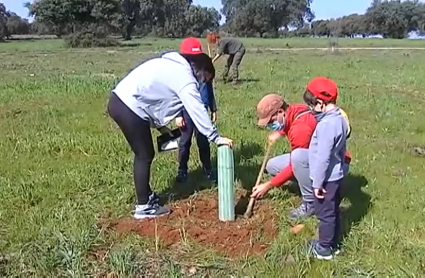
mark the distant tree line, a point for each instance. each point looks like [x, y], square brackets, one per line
[179, 18]
[269, 18]
[390, 19]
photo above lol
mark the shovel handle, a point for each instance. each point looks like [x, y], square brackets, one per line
[248, 212]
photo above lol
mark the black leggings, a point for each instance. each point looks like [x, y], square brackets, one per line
[138, 134]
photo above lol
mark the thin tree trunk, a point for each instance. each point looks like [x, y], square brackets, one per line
[129, 30]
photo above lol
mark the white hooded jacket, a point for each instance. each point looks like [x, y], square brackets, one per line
[159, 89]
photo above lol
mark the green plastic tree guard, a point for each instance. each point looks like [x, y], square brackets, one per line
[226, 190]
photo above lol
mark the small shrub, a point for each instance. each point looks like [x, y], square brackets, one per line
[90, 38]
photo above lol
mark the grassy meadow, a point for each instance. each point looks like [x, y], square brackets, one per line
[65, 165]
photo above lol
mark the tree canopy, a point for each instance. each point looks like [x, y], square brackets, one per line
[171, 18]
[252, 17]
[3, 22]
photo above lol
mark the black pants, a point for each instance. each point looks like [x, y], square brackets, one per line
[186, 142]
[327, 211]
[138, 134]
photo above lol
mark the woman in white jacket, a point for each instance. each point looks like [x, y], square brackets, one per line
[151, 96]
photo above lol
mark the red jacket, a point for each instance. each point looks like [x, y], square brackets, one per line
[299, 127]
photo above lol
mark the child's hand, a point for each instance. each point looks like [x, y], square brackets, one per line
[320, 193]
[273, 137]
[214, 117]
[180, 122]
[260, 190]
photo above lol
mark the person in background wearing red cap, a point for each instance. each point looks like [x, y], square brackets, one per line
[297, 123]
[187, 127]
[151, 96]
[327, 163]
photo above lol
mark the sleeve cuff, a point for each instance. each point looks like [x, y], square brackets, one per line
[317, 186]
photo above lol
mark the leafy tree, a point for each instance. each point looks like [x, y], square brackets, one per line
[200, 19]
[395, 19]
[174, 23]
[249, 17]
[17, 25]
[388, 19]
[3, 22]
[66, 16]
[131, 12]
[391, 19]
[40, 28]
[320, 28]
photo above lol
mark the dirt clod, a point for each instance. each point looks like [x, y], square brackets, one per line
[197, 219]
[297, 229]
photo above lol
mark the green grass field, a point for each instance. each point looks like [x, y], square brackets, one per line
[65, 165]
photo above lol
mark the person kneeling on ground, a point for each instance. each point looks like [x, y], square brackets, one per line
[236, 51]
[187, 127]
[297, 123]
[327, 163]
[151, 96]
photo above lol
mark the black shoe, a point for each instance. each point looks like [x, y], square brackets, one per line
[181, 177]
[152, 209]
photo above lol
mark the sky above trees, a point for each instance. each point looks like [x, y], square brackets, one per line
[323, 9]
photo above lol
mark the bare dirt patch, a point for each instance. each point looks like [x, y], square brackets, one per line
[196, 219]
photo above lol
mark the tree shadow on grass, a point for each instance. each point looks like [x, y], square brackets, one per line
[249, 80]
[240, 81]
[360, 202]
[245, 172]
[130, 44]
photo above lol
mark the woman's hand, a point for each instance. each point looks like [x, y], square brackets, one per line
[180, 122]
[225, 141]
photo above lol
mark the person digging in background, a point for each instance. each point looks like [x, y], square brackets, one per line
[151, 96]
[236, 51]
[297, 123]
[192, 46]
[327, 163]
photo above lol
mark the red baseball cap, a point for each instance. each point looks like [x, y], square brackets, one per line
[191, 46]
[323, 88]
